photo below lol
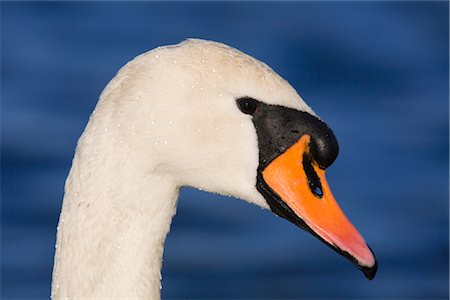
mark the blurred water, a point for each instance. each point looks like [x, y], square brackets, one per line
[377, 72]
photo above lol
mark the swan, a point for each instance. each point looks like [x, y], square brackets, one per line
[199, 114]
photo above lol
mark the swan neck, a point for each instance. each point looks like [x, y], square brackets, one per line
[112, 228]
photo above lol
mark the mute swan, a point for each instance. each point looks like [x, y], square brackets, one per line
[198, 114]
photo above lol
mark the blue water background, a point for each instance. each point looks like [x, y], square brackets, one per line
[376, 72]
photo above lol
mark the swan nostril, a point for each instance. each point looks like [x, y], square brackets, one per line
[313, 179]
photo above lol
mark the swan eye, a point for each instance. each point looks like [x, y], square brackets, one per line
[247, 105]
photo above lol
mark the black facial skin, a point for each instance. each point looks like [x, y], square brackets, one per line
[278, 128]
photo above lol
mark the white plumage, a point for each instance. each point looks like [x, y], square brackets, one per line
[167, 119]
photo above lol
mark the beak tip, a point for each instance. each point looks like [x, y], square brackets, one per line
[370, 272]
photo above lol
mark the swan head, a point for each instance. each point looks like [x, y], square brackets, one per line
[211, 117]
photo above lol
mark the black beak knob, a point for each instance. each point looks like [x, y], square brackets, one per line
[323, 146]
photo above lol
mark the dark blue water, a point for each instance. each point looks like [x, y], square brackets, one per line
[377, 72]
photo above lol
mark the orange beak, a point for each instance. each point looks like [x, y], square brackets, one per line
[301, 185]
